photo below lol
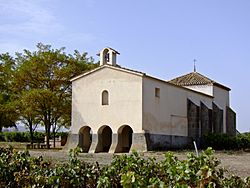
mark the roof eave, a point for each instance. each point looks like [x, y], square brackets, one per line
[222, 86]
[179, 86]
[108, 66]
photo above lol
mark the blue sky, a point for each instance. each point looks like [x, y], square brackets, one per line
[160, 37]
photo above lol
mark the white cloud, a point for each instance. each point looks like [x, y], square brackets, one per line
[29, 8]
[27, 17]
[25, 22]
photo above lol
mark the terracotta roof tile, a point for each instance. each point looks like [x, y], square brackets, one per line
[195, 78]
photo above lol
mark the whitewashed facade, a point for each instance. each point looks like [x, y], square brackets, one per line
[116, 109]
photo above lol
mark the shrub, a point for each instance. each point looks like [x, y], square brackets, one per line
[18, 169]
[16, 137]
[39, 136]
[136, 171]
[2, 139]
[25, 136]
[243, 141]
[226, 142]
[21, 137]
[62, 134]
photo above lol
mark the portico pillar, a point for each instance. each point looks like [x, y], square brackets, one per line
[114, 143]
[72, 141]
[93, 143]
[139, 142]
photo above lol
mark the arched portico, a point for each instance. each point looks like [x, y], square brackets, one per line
[125, 134]
[104, 139]
[85, 138]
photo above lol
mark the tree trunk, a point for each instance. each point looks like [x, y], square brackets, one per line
[31, 132]
[54, 135]
[47, 128]
[31, 136]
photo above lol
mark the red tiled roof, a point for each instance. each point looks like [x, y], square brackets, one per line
[195, 78]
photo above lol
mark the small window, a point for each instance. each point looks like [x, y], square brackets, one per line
[157, 92]
[105, 98]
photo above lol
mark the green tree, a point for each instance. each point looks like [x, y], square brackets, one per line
[27, 115]
[43, 80]
[62, 116]
[8, 115]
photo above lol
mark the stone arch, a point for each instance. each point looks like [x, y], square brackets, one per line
[105, 97]
[85, 138]
[125, 134]
[104, 139]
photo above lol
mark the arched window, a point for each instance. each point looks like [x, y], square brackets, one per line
[105, 98]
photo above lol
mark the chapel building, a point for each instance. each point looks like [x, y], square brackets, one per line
[115, 109]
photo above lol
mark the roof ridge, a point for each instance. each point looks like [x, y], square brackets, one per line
[192, 78]
[117, 67]
[204, 77]
[195, 78]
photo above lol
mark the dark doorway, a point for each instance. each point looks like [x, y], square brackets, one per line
[125, 134]
[85, 138]
[104, 139]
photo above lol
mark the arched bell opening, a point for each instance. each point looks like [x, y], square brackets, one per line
[125, 134]
[105, 56]
[85, 138]
[104, 139]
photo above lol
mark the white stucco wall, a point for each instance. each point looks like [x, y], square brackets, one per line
[132, 102]
[168, 113]
[221, 99]
[206, 89]
[125, 101]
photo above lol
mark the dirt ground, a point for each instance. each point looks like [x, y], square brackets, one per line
[237, 163]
